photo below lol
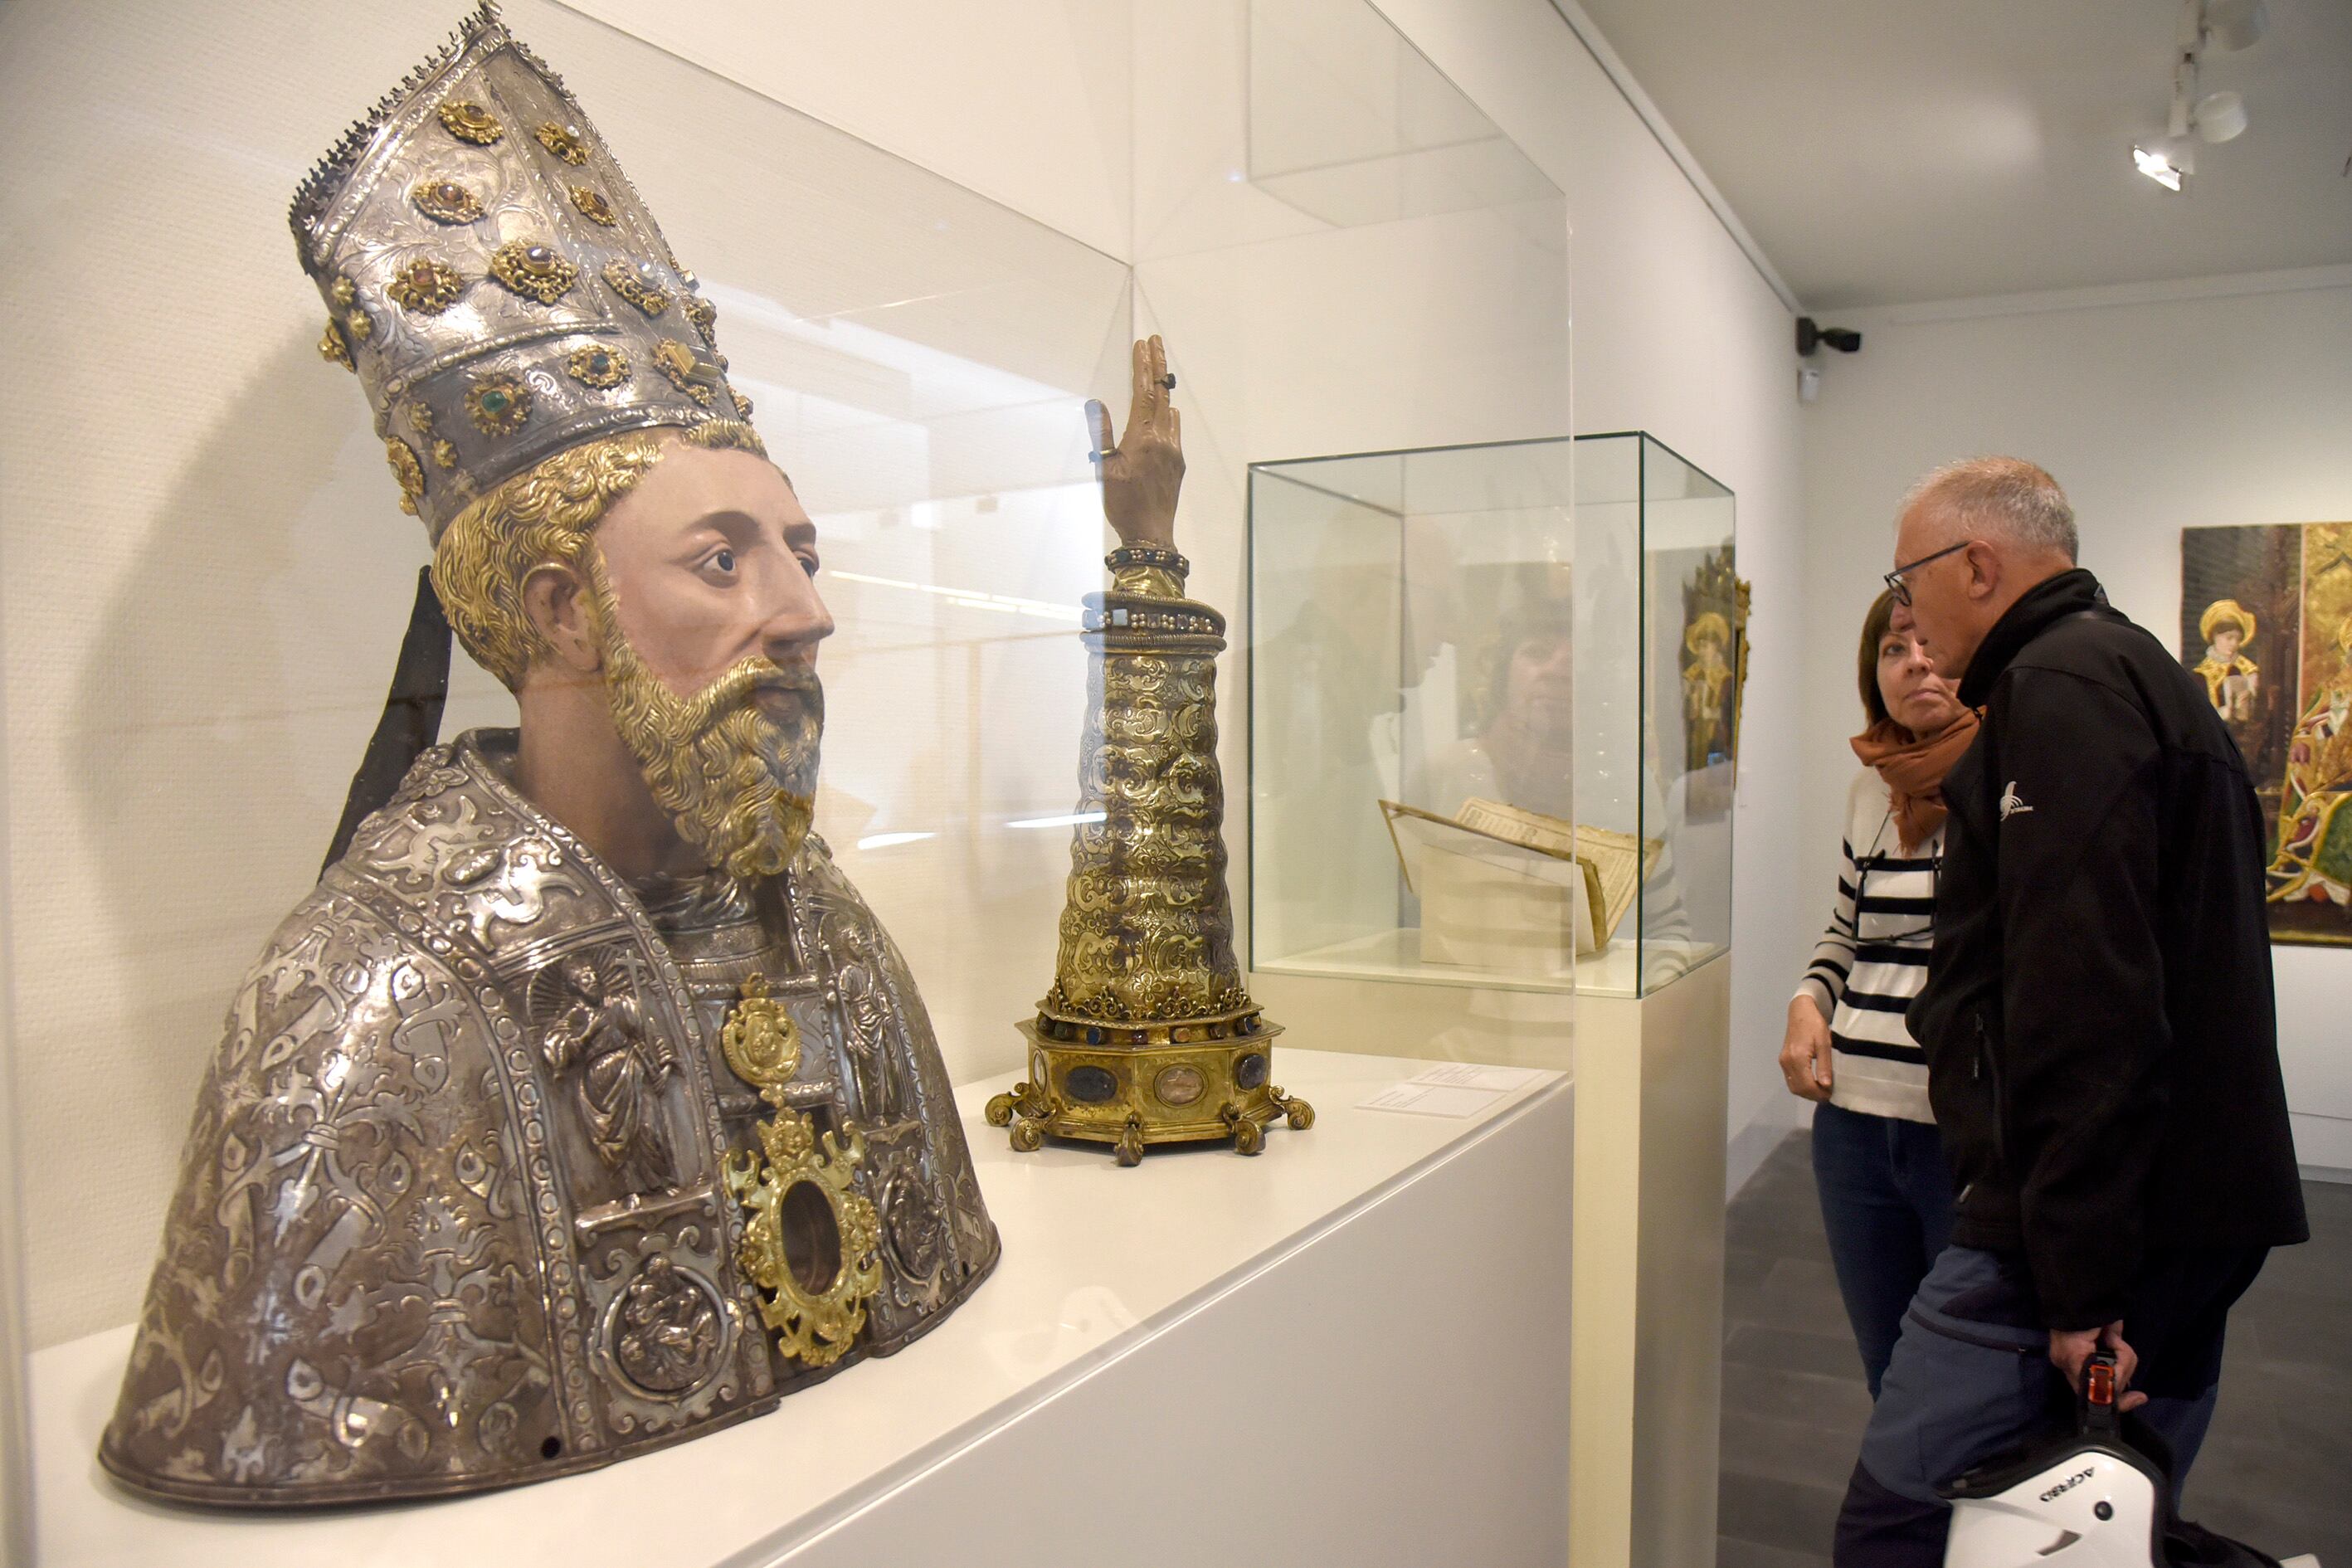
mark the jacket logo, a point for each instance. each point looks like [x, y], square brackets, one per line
[2011, 804]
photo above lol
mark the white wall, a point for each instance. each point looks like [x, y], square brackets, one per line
[2159, 408]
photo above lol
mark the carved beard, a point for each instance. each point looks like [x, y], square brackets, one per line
[734, 765]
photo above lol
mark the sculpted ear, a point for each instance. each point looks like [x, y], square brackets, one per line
[556, 599]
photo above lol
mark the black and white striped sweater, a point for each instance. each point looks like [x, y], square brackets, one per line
[1874, 958]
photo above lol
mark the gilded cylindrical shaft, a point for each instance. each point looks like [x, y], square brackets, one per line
[1147, 933]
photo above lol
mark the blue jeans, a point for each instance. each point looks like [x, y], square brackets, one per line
[1886, 1200]
[1971, 1378]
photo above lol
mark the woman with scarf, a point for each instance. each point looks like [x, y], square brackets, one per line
[1887, 1197]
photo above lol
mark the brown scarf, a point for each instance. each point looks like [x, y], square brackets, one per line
[1914, 770]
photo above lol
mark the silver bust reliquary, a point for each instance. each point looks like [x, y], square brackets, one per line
[505, 1167]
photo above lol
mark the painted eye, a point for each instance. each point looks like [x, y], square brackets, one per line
[725, 561]
[808, 563]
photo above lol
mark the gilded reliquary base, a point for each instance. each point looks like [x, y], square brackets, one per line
[1132, 1094]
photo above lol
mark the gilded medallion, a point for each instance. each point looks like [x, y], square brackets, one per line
[498, 404]
[594, 207]
[407, 470]
[635, 285]
[685, 371]
[810, 1237]
[534, 272]
[356, 323]
[469, 121]
[424, 285]
[598, 366]
[564, 140]
[444, 200]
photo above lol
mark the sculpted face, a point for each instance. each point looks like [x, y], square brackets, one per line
[710, 619]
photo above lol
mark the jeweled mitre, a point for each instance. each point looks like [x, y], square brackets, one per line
[493, 278]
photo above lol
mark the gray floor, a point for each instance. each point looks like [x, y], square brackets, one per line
[2276, 1471]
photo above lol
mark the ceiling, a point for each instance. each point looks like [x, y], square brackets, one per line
[1883, 152]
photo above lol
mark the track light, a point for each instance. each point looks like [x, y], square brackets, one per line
[2217, 117]
[2220, 116]
[2158, 166]
[2235, 25]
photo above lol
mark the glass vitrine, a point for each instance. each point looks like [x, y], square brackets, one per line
[1494, 705]
[1661, 643]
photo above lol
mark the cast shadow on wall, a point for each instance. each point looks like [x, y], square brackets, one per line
[225, 702]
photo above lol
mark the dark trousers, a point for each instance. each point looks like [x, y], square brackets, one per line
[1971, 1377]
[1886, 1201]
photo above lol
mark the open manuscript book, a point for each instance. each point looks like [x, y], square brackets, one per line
[1506, 888]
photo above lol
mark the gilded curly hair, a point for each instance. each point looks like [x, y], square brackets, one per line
[541, 518]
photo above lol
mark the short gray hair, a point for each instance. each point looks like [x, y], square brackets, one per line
[2007, 497]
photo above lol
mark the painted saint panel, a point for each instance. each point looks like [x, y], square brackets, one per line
[2266, 622]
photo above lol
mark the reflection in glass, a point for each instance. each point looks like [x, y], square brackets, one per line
[1662, 622]
[1350, 123]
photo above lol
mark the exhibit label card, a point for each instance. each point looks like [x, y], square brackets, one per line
[1433, 1100]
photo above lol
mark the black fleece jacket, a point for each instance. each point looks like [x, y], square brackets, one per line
[2101, 1047]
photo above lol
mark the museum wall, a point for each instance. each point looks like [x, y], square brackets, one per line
[2159, 408]
[206, 574]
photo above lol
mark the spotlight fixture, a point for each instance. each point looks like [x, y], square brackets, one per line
[2217, 117]
[1812, 335]
[2220, 116]
[2235, 25]
[2158, 166]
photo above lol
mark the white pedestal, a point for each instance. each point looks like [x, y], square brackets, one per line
[1351, 1349]
[1651, 1083]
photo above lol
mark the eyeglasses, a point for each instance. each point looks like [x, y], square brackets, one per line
[1901, 589]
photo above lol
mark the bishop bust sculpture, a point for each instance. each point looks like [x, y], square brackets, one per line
[582, 1106]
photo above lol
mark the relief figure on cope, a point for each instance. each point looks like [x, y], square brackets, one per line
[582, 1106]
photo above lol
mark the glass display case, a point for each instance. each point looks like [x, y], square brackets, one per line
[201, 619]
[1495, 707]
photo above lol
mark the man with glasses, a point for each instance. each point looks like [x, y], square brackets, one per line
[2102, 1052]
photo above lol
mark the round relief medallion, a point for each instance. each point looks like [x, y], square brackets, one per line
[667, 1331]
[1090, 1085]
[1180, 1085]
[913, 1230]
